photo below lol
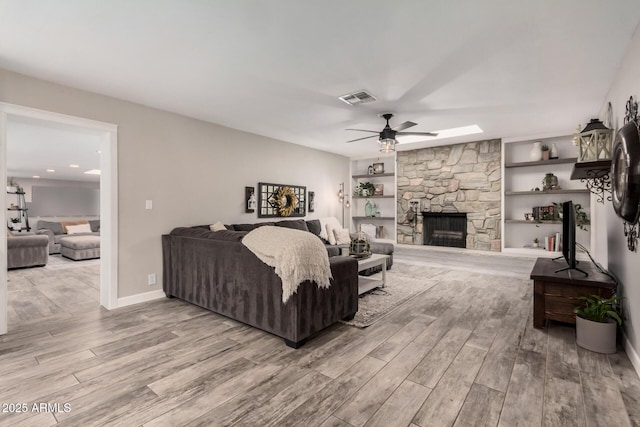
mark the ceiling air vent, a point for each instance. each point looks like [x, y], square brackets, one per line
[359, 97]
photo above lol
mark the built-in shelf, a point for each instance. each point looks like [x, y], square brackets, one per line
[17, 209]
[373, 197]
[530, 193]
[375, 175]
[584, 170]
[15, 192]
[374, 217]
[541, 162]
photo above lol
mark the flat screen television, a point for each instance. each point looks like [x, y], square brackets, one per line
[569, 237]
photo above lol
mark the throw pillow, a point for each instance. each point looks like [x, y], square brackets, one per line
[331, 237]
[66, 224]
[342, 236]
[80, 228]
[218, 226]
[314, 226]
[323, 230]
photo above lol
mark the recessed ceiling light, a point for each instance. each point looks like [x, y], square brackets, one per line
[74, 166]
[99, 151]
[442, 134]
[51, 170]
[93, 172]
[36, 176]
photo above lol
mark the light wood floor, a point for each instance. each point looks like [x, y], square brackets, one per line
[463, 353]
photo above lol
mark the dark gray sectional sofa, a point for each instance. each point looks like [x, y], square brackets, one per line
[214, 270]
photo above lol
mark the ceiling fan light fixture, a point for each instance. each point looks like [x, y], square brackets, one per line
[387, 145]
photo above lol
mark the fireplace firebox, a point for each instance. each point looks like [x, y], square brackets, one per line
[444, 229]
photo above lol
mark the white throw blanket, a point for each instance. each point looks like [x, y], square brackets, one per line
[296, 255]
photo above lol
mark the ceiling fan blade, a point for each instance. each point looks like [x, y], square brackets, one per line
[403, 126]
[418, 133]
[359, 139]
[365, 130]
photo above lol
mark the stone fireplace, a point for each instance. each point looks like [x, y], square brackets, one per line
[444, 229]
[456, 179]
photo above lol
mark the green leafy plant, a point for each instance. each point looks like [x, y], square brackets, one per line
[366, 186]
[536, 241]
[598, 309]
[545, 148]
[582, 220]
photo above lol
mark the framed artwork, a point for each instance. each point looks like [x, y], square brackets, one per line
[250, 199]
[378, 168]
[312, 201]
[280, 200]
[379, 190]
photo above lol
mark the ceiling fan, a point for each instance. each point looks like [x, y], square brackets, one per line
[387, 137]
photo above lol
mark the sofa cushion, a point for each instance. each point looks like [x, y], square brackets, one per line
[249, 227]
[54, 226]
[202, 233]
[297, 224]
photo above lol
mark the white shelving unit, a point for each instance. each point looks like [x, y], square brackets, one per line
[520, 177]
[386, 202]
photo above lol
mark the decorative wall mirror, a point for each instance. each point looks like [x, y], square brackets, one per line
[279, 200]
[625, 174]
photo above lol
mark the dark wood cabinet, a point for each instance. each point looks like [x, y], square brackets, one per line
[555, 294]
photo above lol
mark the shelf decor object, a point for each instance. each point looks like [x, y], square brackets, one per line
[594, 142]
[625, 173]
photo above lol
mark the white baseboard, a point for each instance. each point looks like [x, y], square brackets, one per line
[631, 353]
[137, 299]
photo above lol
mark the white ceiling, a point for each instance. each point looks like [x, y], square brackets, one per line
[34, 146]
[276, 68]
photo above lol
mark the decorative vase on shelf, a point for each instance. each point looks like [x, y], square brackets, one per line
[535, 154]
[368, 209]
[554, 151]
[549, 182]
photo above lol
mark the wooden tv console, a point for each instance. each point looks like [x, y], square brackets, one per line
[555, 294]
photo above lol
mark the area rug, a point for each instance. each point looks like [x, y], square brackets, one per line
[399, 289]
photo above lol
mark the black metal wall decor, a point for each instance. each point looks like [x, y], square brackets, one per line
[625, 173]
[280, 200]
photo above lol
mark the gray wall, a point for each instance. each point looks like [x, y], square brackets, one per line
[623, 263]
[195, 172]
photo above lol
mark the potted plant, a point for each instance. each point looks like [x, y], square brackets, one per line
[536, 242]
[596, 323]
[366, 189]
[582, 220]
[545, 152]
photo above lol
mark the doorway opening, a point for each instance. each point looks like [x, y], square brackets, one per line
[104, 136]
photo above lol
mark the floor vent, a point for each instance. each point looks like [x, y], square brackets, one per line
[359, 97]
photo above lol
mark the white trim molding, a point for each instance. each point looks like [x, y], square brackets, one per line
[631, 353]
[108, 198]
[139, 298]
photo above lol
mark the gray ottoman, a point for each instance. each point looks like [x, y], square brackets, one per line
[80, 247]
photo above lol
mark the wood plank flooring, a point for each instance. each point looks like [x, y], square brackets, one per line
[463, 353]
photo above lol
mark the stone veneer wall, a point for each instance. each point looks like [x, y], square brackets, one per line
[455, 178]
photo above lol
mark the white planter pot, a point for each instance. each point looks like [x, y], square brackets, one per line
[596, 336]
